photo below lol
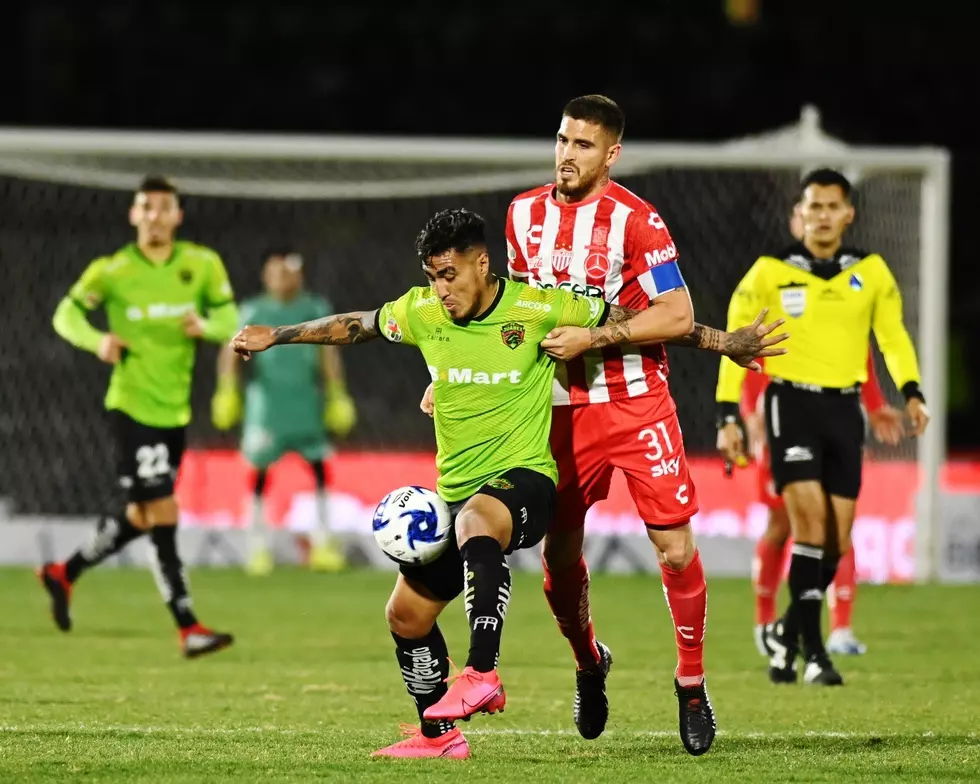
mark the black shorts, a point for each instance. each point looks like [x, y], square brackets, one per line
[148, 457]
[530, 497]
[815, 436]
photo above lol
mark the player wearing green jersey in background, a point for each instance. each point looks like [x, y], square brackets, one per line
[160, 296]
[480, 337]
[311, 378]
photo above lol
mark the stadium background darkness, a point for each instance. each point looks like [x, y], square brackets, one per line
[879, 72]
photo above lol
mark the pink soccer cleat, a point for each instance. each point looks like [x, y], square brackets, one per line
[469, 692]
[451, 745]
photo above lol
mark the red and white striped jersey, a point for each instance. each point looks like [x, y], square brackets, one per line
[614, 246]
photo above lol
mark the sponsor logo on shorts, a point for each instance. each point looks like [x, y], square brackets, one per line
[797, 454]
[665, 467]
[501, 484]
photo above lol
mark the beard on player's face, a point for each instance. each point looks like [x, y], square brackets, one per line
[576, 186]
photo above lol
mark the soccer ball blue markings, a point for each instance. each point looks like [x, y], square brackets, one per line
[412, 525]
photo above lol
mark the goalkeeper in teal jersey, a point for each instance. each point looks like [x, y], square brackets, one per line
[311, 377]
[480, 336]
[161, 296]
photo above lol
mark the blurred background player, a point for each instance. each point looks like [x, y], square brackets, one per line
[161, 296]
[292, 401]
[833, 297]
[772, 549]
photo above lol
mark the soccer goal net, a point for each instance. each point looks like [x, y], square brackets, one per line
[352, 206]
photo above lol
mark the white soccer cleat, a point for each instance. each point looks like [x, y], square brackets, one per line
[844, 643]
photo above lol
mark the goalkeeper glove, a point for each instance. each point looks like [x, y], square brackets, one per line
[226, 405]
[339, 414]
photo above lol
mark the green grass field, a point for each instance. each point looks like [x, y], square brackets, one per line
[310, 689]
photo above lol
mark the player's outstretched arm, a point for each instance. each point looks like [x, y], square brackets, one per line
[744, 346]
[344, 329]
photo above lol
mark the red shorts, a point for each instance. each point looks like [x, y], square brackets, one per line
[767, 485]
[589, 441]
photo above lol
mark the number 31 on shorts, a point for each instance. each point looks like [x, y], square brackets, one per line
[660, 452]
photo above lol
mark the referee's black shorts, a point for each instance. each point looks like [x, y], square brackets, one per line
[815, 435]
[528, 495]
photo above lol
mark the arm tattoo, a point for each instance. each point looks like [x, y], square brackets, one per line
[615, 330]
[344, 329]
[707, 338]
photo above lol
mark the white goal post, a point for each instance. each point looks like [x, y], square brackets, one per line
[384, 169]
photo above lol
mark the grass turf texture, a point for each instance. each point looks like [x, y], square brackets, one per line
[310, 688]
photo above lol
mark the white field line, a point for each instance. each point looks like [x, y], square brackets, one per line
[532, 732]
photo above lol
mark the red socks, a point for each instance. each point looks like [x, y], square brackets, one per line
[767, 573]
[840, 596]
[687, 598]
[567, 592]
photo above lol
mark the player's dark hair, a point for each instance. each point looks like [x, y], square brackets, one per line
[280, 250]
[826, 177]
[458, 230]
[599, 110]
[156, 183]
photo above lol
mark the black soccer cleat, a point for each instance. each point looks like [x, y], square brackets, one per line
[820, 671]
[591, 705]
[782, 654]
[697, 718]
[199, 640]
[52, 577]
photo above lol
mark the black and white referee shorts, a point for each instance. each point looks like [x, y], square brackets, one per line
[815, 434]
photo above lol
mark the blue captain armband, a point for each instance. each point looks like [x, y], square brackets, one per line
[663, 278]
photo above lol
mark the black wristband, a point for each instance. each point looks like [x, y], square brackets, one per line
[728, 414]
[912, 390]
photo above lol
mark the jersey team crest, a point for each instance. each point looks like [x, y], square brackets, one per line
[512, 334]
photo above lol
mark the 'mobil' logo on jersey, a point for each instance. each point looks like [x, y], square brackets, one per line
[469, 376]
[512, 334]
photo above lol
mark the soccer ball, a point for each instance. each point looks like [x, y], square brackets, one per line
[412, 525]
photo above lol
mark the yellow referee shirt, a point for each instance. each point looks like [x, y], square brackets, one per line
[830, 307]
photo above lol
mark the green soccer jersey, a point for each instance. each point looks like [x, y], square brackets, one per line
[145, 304]
[491, 380]
[285, 392]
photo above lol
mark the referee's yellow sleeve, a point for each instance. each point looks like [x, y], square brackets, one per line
[743, 307]
[889, 328]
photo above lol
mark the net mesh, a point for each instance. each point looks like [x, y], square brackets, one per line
[57, 455]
